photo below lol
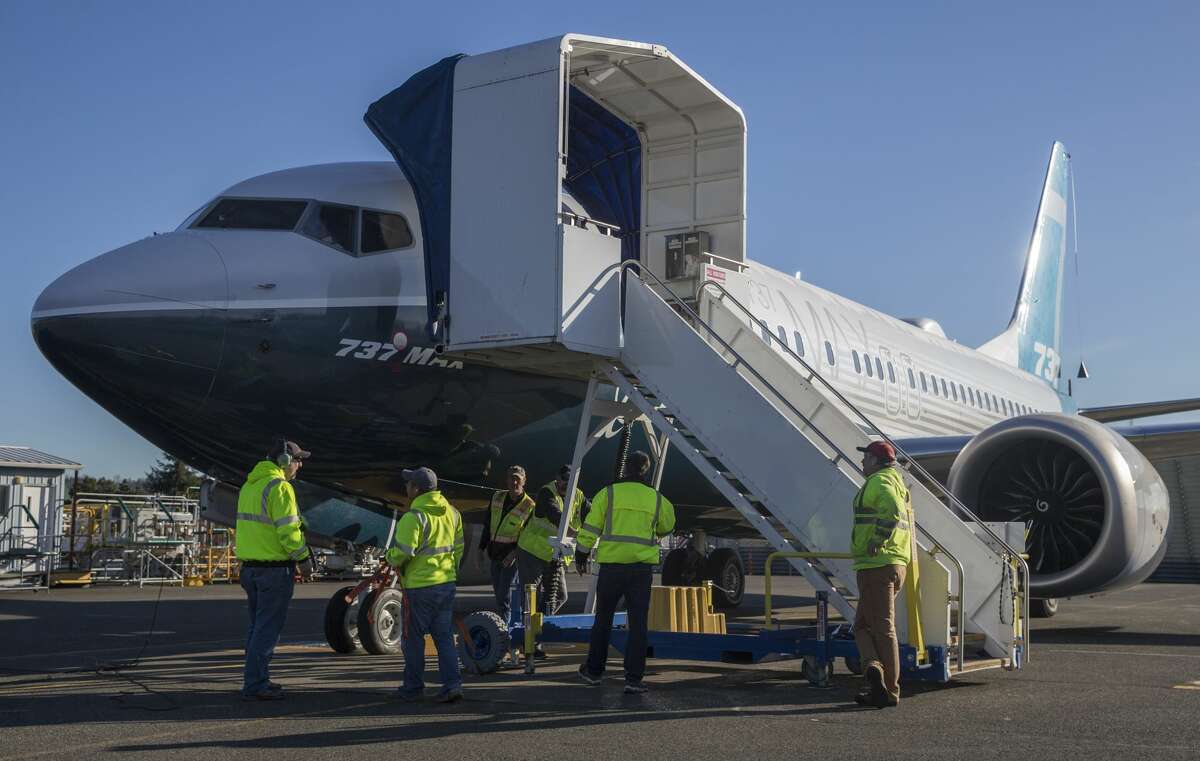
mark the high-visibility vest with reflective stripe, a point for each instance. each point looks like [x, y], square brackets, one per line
[507, 530]
[428, 545]
[268, 521]
[535, 538]
[627, 518]
[883, 516]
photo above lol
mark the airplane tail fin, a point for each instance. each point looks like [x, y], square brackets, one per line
[1033, 339]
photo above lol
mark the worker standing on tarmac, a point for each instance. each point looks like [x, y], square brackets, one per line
[883, 523]
[535, 555]
[427, 550]
[628, 517]
[508, 512]
[270, 541]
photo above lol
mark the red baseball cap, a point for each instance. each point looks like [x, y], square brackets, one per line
[881, 449]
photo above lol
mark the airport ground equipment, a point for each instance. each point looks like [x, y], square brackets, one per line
[142, 539]
[650, 149]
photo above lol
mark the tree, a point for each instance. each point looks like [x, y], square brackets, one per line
[108, 485]
[170, 476]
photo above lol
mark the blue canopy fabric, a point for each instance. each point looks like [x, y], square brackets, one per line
[415, 122]
[604, 168]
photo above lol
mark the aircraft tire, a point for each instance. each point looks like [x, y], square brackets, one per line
[724, 568]
[381, 622]
[489, 641]
[341, 622]
[1043, 608]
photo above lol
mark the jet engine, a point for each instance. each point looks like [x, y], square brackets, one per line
[1094, 508]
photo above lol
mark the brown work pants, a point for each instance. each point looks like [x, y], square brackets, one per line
[875, 622]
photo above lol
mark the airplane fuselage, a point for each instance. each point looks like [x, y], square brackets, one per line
[210, 342]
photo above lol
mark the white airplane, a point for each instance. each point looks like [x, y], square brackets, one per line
[296, 302]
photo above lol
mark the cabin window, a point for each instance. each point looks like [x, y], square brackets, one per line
[829, 354]
[987, 399]
[782, 335]
[799, 342]
[933, 380]
[766, 332]
[912, 379]
[384, 232]
[962, 393]
[332, 225]
[924, 387]
[870, 370]
[879, 368]
[954, 391]
[891, 373]
[945, 393]
[857, 364]
[254, 214]
[971, 394]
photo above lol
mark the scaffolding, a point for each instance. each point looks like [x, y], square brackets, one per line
[143, 539]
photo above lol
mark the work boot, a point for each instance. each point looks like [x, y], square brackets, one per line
[406, 697]
[635, 688]
[267, 694]
[585, 676]
[449, 696]
[877, 693]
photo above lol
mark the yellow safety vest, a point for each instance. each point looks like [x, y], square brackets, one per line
[633, 517]
[883, 516]
[535, 538]
[506, 530]
[268, 521]
[429, 542]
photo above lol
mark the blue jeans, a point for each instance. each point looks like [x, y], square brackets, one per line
[631, 581]
[502, 579]
[268, 592]
[429, 610]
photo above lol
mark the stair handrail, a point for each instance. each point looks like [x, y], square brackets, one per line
[913, 463]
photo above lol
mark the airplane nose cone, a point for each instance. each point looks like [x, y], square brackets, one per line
[144, 322]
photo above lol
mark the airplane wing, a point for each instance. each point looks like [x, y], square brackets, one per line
[1119, 412]
[1163, 441]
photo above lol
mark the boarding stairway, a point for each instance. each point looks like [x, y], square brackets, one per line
[520, 277]
[779, 443]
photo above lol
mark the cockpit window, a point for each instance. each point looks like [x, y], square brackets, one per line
[332, 225]
[384, 232]
[254, 214]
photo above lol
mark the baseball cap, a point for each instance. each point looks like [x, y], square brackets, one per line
[292, 448]
[422, 478]
[881, 449]
[516, 470]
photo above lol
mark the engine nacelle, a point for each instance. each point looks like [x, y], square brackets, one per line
[1095, 509]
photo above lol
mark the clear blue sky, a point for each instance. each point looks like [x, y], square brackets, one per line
[896, 151]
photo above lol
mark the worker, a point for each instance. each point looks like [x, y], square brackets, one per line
[508, 512]
[270, 542]
[634, 517]
[883, 522]
[426, 552]
[535, 555]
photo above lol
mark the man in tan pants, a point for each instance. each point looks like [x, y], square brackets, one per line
[881, 545]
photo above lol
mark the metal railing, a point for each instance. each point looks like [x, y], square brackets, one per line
[1013, 555]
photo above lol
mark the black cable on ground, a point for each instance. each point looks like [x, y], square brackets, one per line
[115, 668]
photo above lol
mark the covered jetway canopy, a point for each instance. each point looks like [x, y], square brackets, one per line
[498, 146]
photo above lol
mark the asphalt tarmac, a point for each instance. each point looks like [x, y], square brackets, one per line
[1110, 677]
